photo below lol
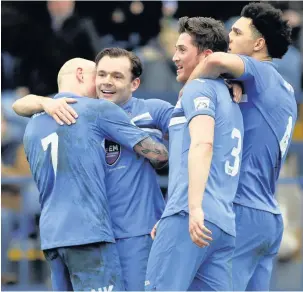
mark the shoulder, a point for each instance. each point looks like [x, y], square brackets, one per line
[201, 86]
[157, 103]
[99, 103]
[254, 63]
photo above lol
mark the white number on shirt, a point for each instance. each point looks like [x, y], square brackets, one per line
[52, 139]
[232, 170]
[286, 137]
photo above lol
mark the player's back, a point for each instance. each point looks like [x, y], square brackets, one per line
[269, 114]
[67, 166]
[224, 172]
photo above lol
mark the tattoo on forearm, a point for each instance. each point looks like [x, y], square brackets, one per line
[158, 164]
[156, 152]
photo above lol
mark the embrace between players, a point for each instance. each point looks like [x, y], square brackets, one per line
[93, 148]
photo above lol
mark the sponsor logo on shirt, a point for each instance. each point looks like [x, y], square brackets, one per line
[201, 102]
[112, 152]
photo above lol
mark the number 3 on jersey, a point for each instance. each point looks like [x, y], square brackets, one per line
[52, 139]
[232, 170]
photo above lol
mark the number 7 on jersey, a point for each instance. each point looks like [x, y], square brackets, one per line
[52, 139]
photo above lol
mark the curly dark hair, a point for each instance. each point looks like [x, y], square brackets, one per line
[268, 21]
[207, 33]
[136, 65]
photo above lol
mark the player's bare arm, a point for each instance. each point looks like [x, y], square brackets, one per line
[56, 108]
[201, 149]
[217, 64]
[220, 64]
[152, 150]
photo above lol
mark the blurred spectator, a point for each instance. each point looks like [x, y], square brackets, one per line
[13, 159]
[169, 8]
[10, 206]
[66, 36]
[9, 66]
[159, 71]
[13, 163]
[221, 10]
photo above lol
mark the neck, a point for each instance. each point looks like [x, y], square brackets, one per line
[261, 57]
[122, 103]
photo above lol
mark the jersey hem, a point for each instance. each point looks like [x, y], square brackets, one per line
[130, 235]
[276, 212]
[223, 228]
[75, 243]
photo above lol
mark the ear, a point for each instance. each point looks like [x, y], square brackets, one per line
[259, 44]
[135, 84]
[79, 75]
[207, 52]
[204, 54]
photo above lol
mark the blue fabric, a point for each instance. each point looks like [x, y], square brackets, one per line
[177, 264]
[211, 98]
[259, 235]
[133, 253]
[85, 267]
[269, 112]
[68, 166]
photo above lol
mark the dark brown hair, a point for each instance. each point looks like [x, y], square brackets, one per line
[136, 65]
[206, 32]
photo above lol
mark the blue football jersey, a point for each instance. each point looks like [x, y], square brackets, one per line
[269, 113]
[68, 166]
[207, 97]
[135, 198]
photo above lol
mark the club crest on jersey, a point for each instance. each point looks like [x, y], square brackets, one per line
[201, 102]
[113, 152]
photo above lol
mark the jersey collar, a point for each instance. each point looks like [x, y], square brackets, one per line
[128, 105]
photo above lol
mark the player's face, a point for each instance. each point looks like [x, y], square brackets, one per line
[114, 79]
[186, 57]
[241, 38]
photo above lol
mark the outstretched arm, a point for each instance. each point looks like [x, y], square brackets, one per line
[29, 105]
[217, 64]
[56, 108]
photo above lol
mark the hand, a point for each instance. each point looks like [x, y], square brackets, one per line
[237, 92]
[154, 230]
[198, 232]
[60, 111]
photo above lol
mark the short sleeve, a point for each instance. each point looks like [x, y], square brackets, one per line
[252, 70]
[161, 112]
[199, 98]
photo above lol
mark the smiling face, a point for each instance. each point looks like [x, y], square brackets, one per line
[114, 79]
[186, 57]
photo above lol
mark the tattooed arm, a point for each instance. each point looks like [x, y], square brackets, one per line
[155, 152]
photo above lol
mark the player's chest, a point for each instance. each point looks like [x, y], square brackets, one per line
[115, 154]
